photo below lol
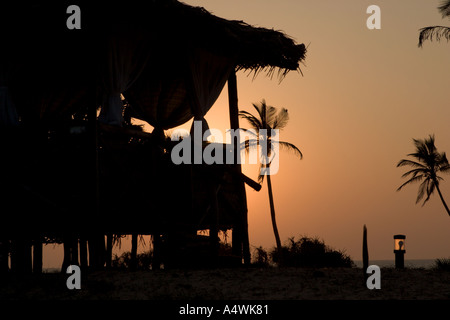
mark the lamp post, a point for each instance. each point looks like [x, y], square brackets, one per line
[399, 250]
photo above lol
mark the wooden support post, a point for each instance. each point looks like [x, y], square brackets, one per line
[96, 236]
[37, 254]
[83, 253]
[156, 263]
[66, 258]
[21, 256]
[134, 244]
[4, 250]
[74, 250]
[214, 224]
[241, 246]
[109, 247]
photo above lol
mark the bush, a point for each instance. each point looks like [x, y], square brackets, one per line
[260, 257]
[310, 252]
[442, 264]
[143, 261]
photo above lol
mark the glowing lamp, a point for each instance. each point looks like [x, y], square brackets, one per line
[399, 250]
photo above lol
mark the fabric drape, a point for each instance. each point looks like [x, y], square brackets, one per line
[169, 95]
[209, 73]
[8, 112]
[159, 96]
[126, 58]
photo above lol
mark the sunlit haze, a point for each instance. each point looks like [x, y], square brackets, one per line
[363, 96]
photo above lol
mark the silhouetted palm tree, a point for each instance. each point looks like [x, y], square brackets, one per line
[437, 32]
[268, 118]
[428, 163]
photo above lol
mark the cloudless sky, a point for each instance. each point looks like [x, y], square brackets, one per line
[364, 95]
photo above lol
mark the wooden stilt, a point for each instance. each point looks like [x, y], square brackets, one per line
[83, 253]
[74, 250]
[96, 238]
[21, 256]
[240, 240]
[156, 263]
[4, 249]
[134, 244]
[109, 246]
[67, 254]
[37, 255]
[214, 225]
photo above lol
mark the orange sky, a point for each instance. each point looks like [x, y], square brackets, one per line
[363, 97]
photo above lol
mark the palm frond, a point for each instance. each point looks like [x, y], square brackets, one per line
[430, 189]
[428, 163]
[249, 145]
[254, 121]
[444, 8]
[266, 114]
[281, 119]
[291, 148]
[444, 168]
[259, 109]
[421, 193]
[427, 188]
[270, 117]
[415, 172]
[253, 132]
[412, 180]
[414, 164]
[433, 32]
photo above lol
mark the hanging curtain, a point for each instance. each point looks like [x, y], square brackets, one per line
[160, 96]
[8, 112]
[209, 73]
[177, 86]
[127, 56]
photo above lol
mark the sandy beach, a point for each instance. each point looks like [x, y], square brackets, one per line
[235, 284]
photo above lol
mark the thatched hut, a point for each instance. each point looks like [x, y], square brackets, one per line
[73, 167]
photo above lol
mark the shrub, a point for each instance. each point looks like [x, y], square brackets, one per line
[442, 264]
[144, 260]
[260, 257]
[310, 252]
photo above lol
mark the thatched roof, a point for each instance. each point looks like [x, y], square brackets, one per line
[57, 68]
[255, 47]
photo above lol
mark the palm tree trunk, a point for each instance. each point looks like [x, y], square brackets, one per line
[442, 198]
[365, 254]
[272, 215]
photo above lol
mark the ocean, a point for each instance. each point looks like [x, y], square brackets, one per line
[413, 263]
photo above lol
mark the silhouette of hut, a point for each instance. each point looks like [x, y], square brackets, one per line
[73, 168]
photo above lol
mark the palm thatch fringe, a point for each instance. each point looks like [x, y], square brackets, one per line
[433, 32]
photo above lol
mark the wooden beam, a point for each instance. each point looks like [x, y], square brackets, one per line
[4, 250]
[134, 245]
[37, 254]
[240, 239]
